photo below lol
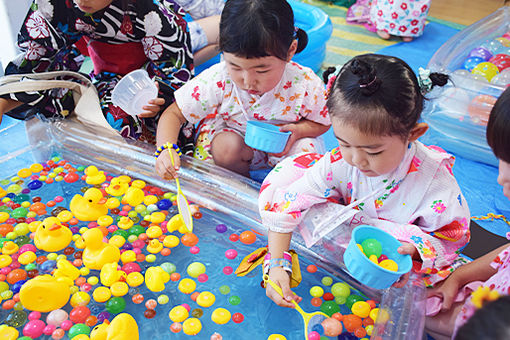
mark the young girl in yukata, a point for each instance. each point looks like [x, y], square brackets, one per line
[256, 81]
[375, 104]
[456, 304]
[121, 36]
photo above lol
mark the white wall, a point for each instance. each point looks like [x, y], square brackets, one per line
[12, 14]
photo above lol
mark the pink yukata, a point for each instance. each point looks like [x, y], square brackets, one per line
[420, 202]
[214, 101]
[405, 18]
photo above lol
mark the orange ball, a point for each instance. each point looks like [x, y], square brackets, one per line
[194, 296]
[5, 229]
[137, 298]
[175, 277]
[351, 322]
[50, 203]
[367, 322]
[91, 321]
[165, 251]
[311, 268]
[371, 303]
[8, 304]
[16, 275]
[360, 332]
[338, 316]
[316, 301]
[247, 237]
[189, 239]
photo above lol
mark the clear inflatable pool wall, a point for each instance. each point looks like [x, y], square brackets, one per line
[214, 188]
[457, 113]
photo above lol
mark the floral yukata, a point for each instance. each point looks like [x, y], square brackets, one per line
[420, 202]
[147, 34]
[401, 18]
[213, 100]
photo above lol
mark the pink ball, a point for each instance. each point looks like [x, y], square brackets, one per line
[92, 224]
[66, 325]
[58, 199]
[202, 277]
[137, 250]
[216, 336]
[313, 335]
[231, 254]
[49, 329]
[131, 267]
[112, 228]
[5, 270]
[194, 250]
[228, 270]
[332, 327]
[34, 328]
[34, 316]
[138, 244]
[27, 247]
[185, 305]
[123, 213]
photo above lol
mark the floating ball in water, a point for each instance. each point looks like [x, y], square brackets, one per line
[247, 237]
[220, 316]
[234, 300]
[332, 327]
[178, 314]
[316, 291]
[361, 309]
[206, 299]
[231, 254]
[187, 286]
[116, 305]
[56, 317]
[191, 326]
[238, 317]
[351, 299]
[330, 307]
[221, 228]
[34, 329]
[486, 69]
[195, 269]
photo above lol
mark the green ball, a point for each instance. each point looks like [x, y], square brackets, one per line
[353, 299]
[79, 328]
[22, 240]
[136, 230]
[115, 305]
[340, 300]
[341, 289]
[327, 280]
[25, 338]
[19, 212]
[234, 300]
[21, 198]
[122, 233]
[30, 266]
[330, 307]
[16, 318]
[168, 267]
[371, 247]
[224, 289]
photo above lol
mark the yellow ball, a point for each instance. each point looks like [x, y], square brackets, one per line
[163, 299]
[276, 337]
[105, 221]
[80, 299]
[178, 314]
[486, 69]
[150, 199]
[220, 316]
[8, 333]
[206, 299]
[5, 260]
[316, 291]
[93, 280]
[101, 294]
[134, 279]
[21, 229]
[27, 257]
[389, 265]
[150, 258]
[361, 309]
[373, 314]
[64, 216]
[84, 271]
[369, 329]
[157, 217]
[112, 203]
[128, 256]
[4, 216]
[24, 173]
[117, 240]
[191, 326]
[187, 286]
[36, 167]
[52, 256]
[154, 232]
[119, 288]
[171, 241]
[374, 259]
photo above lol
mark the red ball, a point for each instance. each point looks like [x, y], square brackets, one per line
[328, 296]
[502, 61]
[238, 317]
[79, 314]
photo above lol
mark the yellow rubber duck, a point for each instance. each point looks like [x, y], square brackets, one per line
[109, 274]
[122, 327]
[3, 193]
[9, 248]
[90, 206]
[154, 246]
[44, 293]
[94, 176]
[134, 196]
[125, 223]
[52, 236]
[66, 272]
[118, 186]
[97, 253]
[155, 279]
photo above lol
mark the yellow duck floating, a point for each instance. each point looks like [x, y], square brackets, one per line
[118, 186]
[90, 206]
[125, 223]
[66, 272]
[97, 253]
[44, 293]
[109, 274]
[52, 236]
[122, 327]
[94, 176]
[155, 279]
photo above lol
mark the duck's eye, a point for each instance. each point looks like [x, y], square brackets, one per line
[44, 227]
[95, 328]
[90, 200]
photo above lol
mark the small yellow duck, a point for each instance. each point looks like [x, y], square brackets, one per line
[125, 223]
[109, 274]
[90, 206]
[66, 272]
[44, 293]
[97, 253]
[155, 279]
[118, 186]
[94, 176]
[122, 327]
[154, 246]
[9, 248]
[134, 196]
[52, 236]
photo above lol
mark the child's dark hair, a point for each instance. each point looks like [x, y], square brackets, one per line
[498, 127]
[491, 322]
[378, 94]
[259, 28]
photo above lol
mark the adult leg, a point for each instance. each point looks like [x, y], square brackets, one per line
[229, 151]
[441, 326]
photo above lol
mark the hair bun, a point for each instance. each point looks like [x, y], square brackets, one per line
[439, 79]
[368, 81]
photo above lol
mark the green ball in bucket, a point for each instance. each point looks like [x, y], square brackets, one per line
[368, 272]
[265, 137]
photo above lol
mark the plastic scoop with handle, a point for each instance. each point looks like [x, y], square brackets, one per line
[309, 319]
[182, 202]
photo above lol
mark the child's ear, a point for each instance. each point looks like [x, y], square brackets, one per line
[417, 131]
[292, 50]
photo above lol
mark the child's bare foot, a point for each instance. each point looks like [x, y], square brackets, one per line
[407, 39]
[383, 34]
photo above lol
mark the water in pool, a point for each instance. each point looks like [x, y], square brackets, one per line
[179, 267]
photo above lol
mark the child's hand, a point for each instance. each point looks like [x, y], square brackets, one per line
[164, 167]
[280, 277]
[447, 290]
[405, 249]
[153, 108]
[294, 136]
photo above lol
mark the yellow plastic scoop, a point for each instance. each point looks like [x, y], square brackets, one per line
[309, 319]
[182, 202]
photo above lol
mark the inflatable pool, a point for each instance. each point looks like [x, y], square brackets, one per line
[227, 209]
[317, 25]
[477, 60]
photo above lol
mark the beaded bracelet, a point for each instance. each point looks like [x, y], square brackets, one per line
[166, 146]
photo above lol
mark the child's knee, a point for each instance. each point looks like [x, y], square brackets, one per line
[229, 148]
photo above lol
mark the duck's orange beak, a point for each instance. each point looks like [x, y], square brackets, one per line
[102, 201]
[116, 187]
[54, 227]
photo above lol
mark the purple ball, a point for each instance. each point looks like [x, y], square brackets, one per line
[221, 228]
[480, 52]
[75, 230]
[102, 316]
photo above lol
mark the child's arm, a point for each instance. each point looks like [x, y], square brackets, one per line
[478, 270]
[302, 129]
[7, 105]
[168, 131]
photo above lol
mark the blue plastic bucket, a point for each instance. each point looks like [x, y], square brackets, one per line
[265, 137]
[367, 272]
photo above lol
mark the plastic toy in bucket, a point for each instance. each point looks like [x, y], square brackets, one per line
[134, 91]
[265, 137]
[368, 272]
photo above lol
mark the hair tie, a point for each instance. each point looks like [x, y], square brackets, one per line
[369, 83]
[424, 80]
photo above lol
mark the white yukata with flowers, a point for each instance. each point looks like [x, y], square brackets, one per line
[420, 202]
[213, 100]
[404, 18]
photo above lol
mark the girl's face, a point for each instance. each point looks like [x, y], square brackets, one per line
[257, 75]
[373, 155]
[92, 6]
[504, 177]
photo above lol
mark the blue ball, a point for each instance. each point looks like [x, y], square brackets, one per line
[318, 328]
[47, 266]
[164, 204]
[35, 184]
[11, 195]
[15, 288]
[470, 63]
